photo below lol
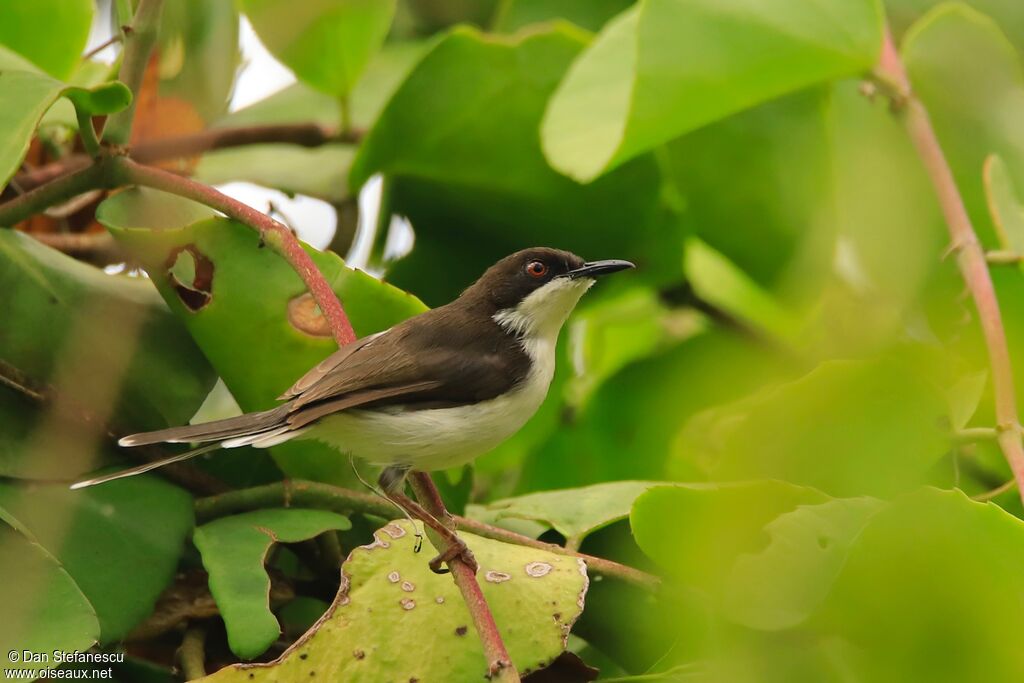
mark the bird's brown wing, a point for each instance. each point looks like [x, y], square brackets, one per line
[318, 371]
[433, 359]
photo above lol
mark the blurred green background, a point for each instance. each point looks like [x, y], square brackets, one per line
[785, 412]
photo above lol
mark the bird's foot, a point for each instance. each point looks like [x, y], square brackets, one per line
[456, 549]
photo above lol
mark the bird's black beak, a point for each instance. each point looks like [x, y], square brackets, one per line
[596, 268]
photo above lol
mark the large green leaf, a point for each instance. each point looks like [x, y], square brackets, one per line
[396, 620]
[787, 581]
[321, 172]
[327, 43]
[247, 308]
[473, 92]
[110, 345]
[574, 513]
[695, 532]
[658, 71]
[234, 549]
[120, 542]
[847, 427]
[931, 591]
[24, 98]
[970, 79]
[50, 33]
[589, 14]
[299, 103]
[44, 610]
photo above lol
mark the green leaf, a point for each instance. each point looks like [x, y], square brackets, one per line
[24, 98]
[473, 91]
[252, 316]
[44, 609]
[574, 513]
[130, 357]
[327, 43]
[718, 281]
[1004, 205]
[934, 567]
[120, 542]
[847, 427]
[655, 71]
[234, 549]
[696, 532]
[399, 621]
[588, 14]
[50, 33]
[298, 103]
[321, 172]
[785, 583]
[970, 79]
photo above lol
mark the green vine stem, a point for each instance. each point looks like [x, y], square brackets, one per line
[325, 496]
[138, 44]
[970, 254]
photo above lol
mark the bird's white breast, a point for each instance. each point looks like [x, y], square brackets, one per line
[439, 438]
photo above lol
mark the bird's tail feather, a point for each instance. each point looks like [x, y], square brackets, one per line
[139, 469]
[218, 430]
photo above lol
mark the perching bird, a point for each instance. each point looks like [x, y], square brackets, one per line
[432, 392]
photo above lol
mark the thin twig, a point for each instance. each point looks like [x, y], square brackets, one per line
[499, 664]
[116, 38]
[138, 43]
[325, 496]
[1004, 258]
[193, 653]
[996, 492]
[93, 245]
[152, 151]
[970, 254]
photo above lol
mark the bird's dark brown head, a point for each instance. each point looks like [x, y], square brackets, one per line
[511, 280]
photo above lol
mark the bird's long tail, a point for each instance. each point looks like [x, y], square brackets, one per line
[262, 429]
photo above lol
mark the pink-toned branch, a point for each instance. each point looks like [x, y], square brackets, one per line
[970, 254]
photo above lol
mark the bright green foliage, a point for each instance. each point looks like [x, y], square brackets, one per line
[1005, 205]
[654, 71]
[163, 376]
[143, 522]
[321, 172]
[588, 14]
[783, 584]
[397, 620]
[24, 98]
[858, 428]
[573, 513]
[970, 77]
[43, 607]
[234, 549]
[696, 532]
[327, 43]
[49, 33]
[473, 91]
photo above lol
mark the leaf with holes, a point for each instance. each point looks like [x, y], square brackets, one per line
[156, 379]
[394, 619]
[656, 71]
[574, 513]
[247, 308]
[234, 549]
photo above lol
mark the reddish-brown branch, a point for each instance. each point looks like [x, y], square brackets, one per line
[277, 236]
[499, 664]
[151, 151]
[970, 253]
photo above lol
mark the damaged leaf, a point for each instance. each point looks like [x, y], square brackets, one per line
[396, 620]
[234, 549]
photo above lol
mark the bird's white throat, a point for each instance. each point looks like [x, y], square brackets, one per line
[543, 312]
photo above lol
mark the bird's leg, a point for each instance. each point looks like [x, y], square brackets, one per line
[377, 492]
[392, 481]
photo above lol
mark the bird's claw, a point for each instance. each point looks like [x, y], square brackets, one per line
[456, 550]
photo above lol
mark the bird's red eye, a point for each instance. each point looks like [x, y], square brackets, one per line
[536, 269]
